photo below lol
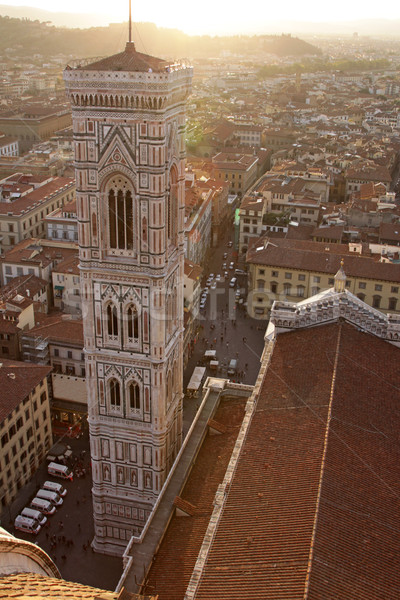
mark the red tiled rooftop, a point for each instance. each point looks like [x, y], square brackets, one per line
[128, 60]
[38, 195]
[17, 379]
[305, 519]
[321, 258]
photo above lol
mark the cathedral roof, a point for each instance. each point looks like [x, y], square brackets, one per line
[311, 507]
[128, 60]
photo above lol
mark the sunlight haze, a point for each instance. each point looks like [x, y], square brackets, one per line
[209, 17]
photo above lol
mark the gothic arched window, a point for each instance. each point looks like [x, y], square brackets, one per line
[120, 215]
[112, 319]
[173, 215]
[134, 397]
[132, 322]
[169, 388]
[114, 389]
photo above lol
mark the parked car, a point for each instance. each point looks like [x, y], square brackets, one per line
[231, 265]
[232, 282]
[27, 525]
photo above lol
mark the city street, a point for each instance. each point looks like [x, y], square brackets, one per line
[71, 525]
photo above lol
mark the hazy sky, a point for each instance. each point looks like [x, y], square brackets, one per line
[221, 16]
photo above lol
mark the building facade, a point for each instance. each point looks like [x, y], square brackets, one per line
[292, 270]
[25, 426]
[128, 120]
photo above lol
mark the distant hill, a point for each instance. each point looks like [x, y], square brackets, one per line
[35, 37]
[59, 19]
[377, 27]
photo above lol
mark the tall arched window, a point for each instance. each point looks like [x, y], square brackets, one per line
[134, 397]
[173, 215]
[114, 389]
[132, 322]
[169, 388]
[120, 214]
[112, 319]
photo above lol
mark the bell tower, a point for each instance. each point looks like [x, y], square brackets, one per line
[128, 114]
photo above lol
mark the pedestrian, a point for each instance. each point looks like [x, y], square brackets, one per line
[79, 527]
[63, 557]
[84, 547]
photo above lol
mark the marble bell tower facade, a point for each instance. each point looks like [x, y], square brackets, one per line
[128, 113]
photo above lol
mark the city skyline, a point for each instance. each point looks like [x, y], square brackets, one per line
[213, 19]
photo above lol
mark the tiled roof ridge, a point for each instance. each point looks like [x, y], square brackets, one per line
[18, 364]
[56, 321]
[323, 461]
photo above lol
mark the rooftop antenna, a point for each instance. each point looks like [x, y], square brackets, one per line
[130, 46]
[130, 21]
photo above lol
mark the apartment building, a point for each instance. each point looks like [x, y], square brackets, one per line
[57, 340]
[356, 176]
[276, 201]
[66, 285]
[34, 122]
[62, 223]
[25, 425]
[34, 257]
[198, 216]
[25, 201]
[239, 170]
[8, 146]
[284, 269]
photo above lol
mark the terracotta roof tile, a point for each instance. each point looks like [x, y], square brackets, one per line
[32, 585]
[128, 60]
[17, 380]
[321, 258]
[38, 195]
[312, 509]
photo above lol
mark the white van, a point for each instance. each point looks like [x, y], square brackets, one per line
[43, 505]
[52, 486]
[52, 497]
[232, 366]
[36, 515]
[26, 524]
[59, 471]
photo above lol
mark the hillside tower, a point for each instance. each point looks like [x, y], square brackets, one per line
[128, 114]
